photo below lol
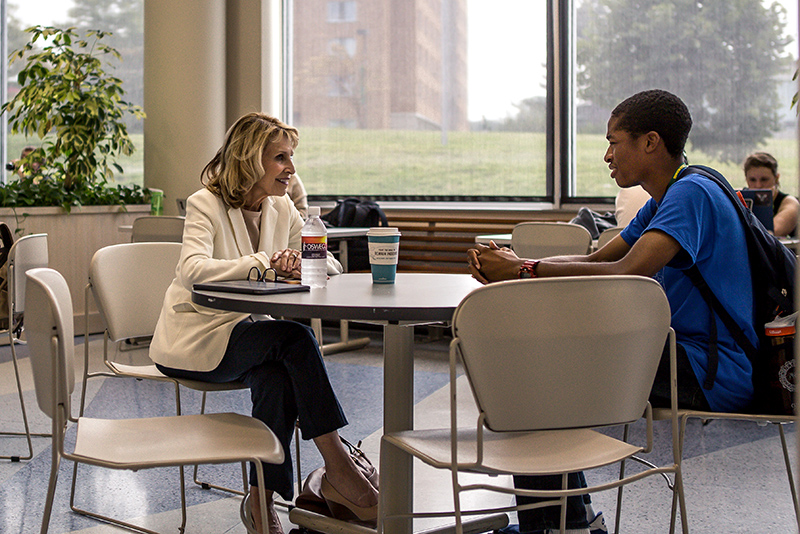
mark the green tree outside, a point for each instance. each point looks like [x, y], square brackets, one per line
[724, 58]
[124, 19]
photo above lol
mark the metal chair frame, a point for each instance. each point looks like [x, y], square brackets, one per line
[36, 244]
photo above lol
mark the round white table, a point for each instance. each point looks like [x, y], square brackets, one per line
[415, 298]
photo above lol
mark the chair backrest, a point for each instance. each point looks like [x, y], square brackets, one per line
[545, 239]
[28, 252]
[128, 282]
[51, 341]
[562, 352]
[158, 228]
[607, 235]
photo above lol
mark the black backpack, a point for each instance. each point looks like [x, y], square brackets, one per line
[772, 267]
[6, 240]
[354, 213]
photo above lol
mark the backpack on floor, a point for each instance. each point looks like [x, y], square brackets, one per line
[772, 268]
[354, 213]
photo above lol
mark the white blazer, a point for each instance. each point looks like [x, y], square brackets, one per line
[216, 246]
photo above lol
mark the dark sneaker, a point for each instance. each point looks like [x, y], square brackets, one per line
[598, 524]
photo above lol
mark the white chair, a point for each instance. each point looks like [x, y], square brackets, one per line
[160, 228]
[545, 370]
[545, 239]
[128, 282]
[168, 441]
[607, 235]
[760, 419]
[28, 252]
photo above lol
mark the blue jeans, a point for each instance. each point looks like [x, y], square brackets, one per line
[690, 395]
[281, 364]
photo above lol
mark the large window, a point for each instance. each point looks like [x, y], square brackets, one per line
[456, 99]
[434, 99]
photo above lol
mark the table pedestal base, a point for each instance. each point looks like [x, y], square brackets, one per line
[344, 334]
[321, 523]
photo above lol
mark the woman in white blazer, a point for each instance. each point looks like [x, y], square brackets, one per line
[240, 220]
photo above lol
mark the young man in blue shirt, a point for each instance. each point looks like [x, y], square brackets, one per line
[688, 221]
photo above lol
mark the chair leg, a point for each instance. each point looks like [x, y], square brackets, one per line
[182, 528]
[678, 496]
[457, 503]
[27, 433]
[681, 500]
[788, 463]
[618, 515]
[208, 485]
[563, 521]
[51, 490]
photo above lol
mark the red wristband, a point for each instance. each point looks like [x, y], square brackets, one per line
[528, 269]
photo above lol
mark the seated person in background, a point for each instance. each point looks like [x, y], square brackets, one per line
[628, 203]
[688, 221]
[297, 193]
[242, 219]
[761, 172]
[25, 169]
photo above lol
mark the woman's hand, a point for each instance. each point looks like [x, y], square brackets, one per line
[286, 263]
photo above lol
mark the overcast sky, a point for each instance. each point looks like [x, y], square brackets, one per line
[497, 79]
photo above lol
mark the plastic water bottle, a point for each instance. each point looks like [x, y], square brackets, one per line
[314, 259]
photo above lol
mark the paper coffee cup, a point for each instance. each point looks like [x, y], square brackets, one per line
[384, 246]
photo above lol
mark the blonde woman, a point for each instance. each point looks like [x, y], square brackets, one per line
[243, 219]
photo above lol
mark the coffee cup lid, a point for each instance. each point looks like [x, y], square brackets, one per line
[383, 230]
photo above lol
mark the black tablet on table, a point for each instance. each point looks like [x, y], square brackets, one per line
[251, 287]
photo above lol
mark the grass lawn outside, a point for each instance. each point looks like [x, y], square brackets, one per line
[132, 165]
[344, 162]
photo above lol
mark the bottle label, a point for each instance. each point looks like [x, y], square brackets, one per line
[315, 247]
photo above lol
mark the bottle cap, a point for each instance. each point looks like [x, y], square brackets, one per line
[313, 211]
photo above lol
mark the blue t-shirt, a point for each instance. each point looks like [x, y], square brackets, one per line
[697, 214]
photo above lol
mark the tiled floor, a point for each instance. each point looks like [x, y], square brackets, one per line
[734, 475]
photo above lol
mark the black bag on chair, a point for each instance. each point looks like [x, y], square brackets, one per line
[6, 240]
[594, 222]
[354, 213]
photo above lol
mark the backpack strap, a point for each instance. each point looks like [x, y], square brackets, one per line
[348, 215]
[369, 208]
[736, 331]
[711, 299]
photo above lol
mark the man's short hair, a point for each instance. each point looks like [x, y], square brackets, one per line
[656, 111]
[761, 159]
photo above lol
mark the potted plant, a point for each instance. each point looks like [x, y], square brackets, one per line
[67, 100]
[77, 110]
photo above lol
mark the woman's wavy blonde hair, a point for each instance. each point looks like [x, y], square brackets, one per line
[236, 167]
